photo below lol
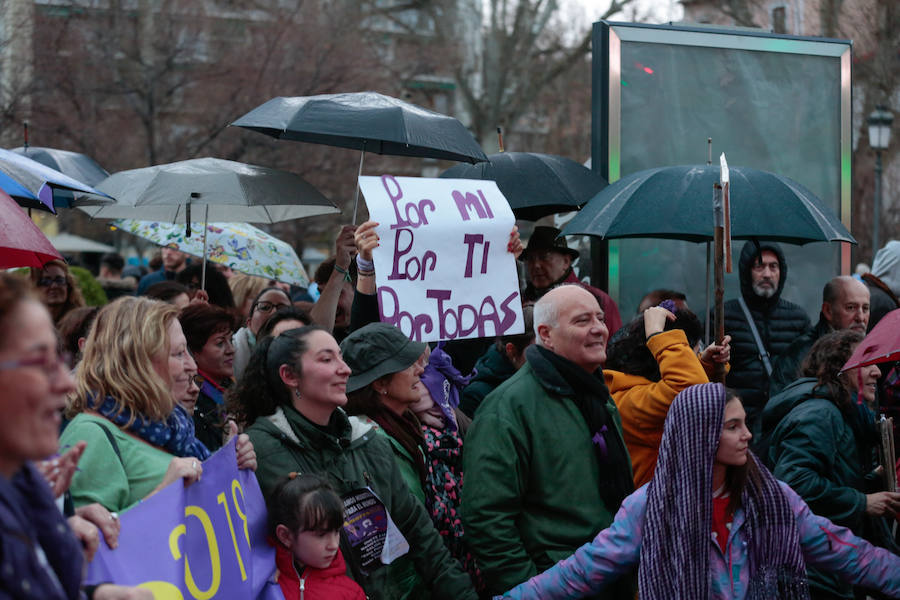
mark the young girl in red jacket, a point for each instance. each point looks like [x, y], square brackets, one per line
[306, 516]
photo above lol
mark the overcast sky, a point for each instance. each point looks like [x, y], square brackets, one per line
[649, 11]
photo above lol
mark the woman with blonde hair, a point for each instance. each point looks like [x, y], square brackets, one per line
[245, 288]
[139, 439]
[58, 288]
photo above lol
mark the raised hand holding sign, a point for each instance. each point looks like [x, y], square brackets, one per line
[443, 266]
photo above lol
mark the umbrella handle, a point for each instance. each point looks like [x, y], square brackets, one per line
[205, 229]
[358, 175]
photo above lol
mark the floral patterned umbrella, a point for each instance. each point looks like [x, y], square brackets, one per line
[240, 246]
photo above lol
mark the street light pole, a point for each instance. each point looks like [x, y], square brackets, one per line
[880, 121]
[876, 211]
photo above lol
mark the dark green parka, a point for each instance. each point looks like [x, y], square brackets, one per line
[357, 458]
[826, 460]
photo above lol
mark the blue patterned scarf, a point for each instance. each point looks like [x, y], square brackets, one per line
[175, 435]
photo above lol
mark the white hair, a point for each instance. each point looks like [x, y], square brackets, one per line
[546, 312]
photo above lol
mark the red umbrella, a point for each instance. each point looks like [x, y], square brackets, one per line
[881, 345]
[22, 244]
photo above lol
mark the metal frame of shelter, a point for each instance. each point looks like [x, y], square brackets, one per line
[606, 127]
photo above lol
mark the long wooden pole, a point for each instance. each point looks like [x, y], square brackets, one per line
[719, 261]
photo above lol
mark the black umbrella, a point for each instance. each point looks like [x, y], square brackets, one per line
[535, 184]
[77, 166]
[365, 121]
[676, 203]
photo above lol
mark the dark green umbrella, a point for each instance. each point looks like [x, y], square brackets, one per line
[535, 185]
[676, 203]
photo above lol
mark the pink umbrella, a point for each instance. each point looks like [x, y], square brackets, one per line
[881, 345]
[22, 244]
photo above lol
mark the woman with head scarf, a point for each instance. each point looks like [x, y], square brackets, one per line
[713, 523]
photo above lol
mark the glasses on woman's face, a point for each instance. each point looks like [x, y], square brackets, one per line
[268, 306]
[51, 364]
[59, 281]
[198, 380]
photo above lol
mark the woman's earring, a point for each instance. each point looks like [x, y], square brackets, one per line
[297, 393]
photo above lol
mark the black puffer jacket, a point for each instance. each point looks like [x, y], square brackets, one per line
[778, 322]
[787, 368]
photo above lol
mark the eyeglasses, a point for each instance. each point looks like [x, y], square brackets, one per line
[198, 380]
[51, 281]
[50, 365]
[268, 306]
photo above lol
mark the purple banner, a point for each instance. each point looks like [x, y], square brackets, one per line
[206, 541]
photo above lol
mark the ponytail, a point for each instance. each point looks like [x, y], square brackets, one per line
[260, 390]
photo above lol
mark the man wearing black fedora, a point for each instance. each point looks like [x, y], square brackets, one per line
[548, 263]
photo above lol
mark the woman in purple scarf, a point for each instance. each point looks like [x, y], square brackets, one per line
[713, 523]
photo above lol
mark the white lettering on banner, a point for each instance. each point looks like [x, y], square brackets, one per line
[443, 270]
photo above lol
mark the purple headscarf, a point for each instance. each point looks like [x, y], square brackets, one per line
[679, 511]
[444, 382]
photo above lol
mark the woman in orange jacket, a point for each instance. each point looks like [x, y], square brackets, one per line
[655, 359]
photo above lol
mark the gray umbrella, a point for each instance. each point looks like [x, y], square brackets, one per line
[77, 166]
[222, 190]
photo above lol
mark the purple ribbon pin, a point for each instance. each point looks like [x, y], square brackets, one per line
[600, 441]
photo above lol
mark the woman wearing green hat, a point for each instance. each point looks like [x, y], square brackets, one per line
[291, 396]
[383, 385]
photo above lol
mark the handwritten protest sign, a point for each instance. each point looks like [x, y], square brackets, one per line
[206, 541]
[443, 271]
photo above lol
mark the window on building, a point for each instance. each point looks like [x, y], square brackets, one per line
[779, 19]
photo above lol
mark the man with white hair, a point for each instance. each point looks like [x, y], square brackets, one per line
[545, 463]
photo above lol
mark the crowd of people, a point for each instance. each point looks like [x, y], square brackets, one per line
[590, 456]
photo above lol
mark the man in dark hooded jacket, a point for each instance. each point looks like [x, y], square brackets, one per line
[763, 272]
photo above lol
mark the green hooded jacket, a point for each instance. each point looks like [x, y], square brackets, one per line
[286, 441]
[814, 450]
